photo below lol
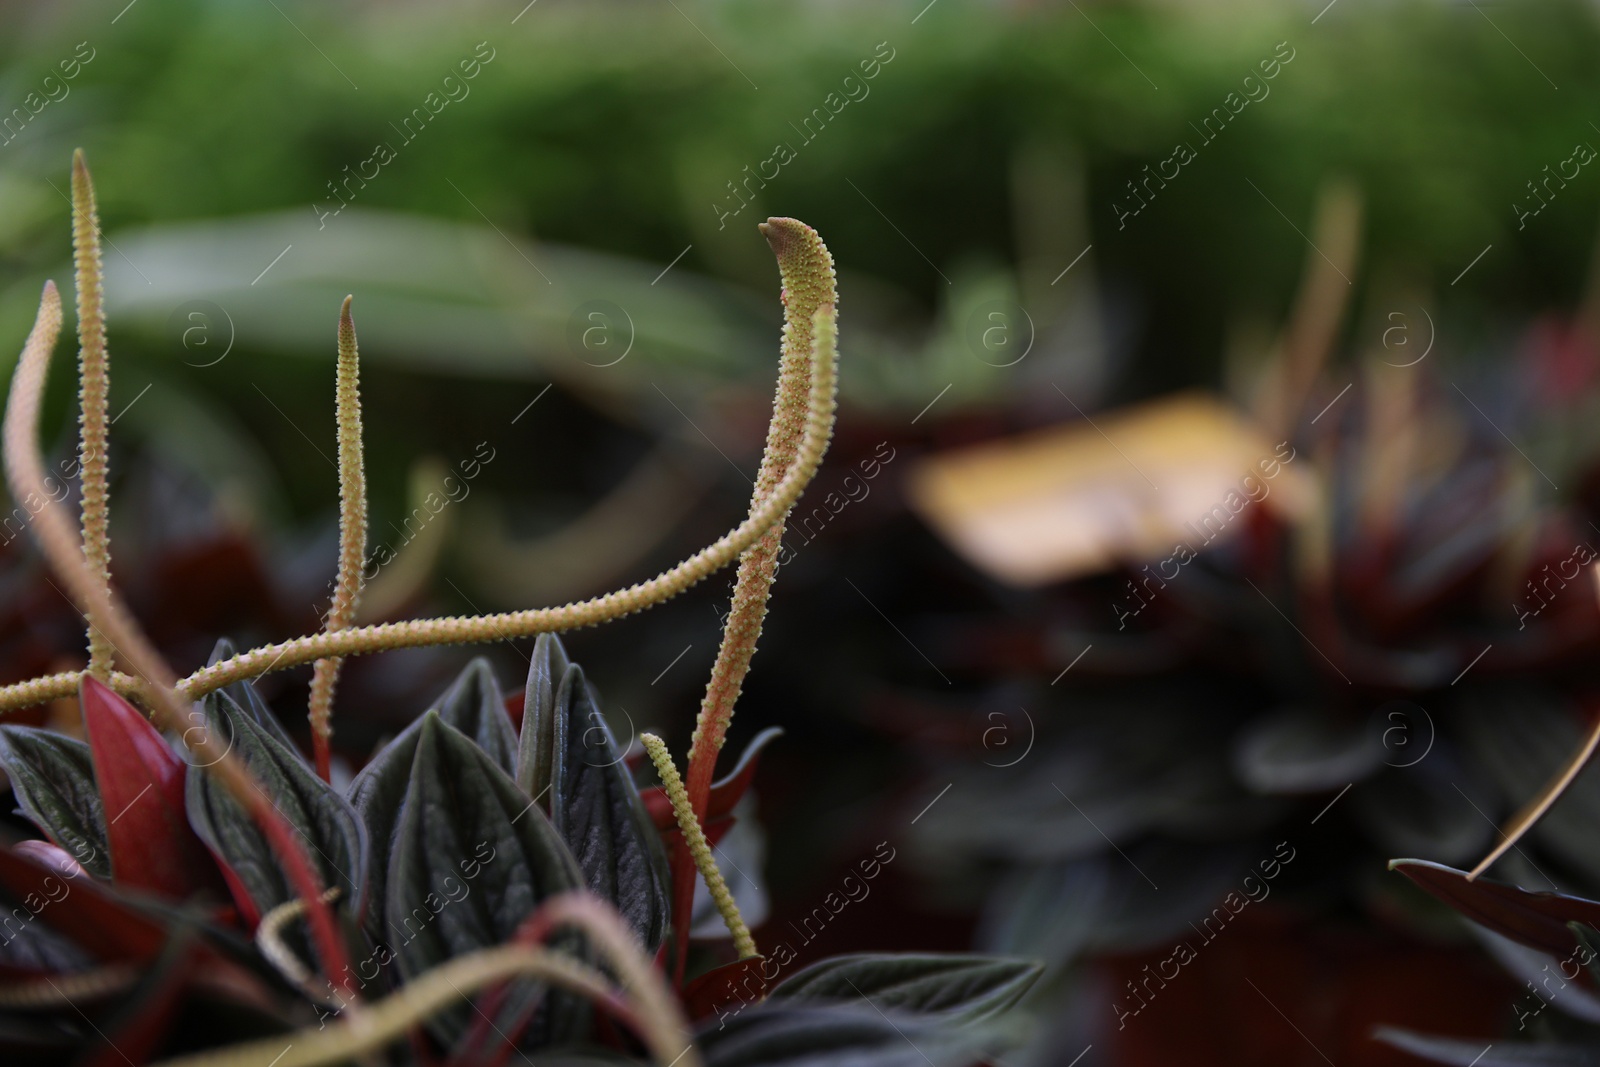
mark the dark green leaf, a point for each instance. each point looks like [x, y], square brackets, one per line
[956, 988]
[471, 858]
[475, 705]
[245, 696]
[1460, 1053]
[537, 746]
[323, 818]
[595, 807]
[835, 1036]
[377, 794]
[53, 779]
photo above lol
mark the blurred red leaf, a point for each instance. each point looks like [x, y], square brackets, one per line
[737, 981]
[83, 910]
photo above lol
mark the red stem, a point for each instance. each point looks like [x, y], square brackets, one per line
[303, 876]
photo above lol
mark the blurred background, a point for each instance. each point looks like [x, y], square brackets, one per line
[1215, 473]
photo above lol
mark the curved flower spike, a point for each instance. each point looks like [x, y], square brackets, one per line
[808, 288]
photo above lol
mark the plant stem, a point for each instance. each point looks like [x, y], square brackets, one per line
[352, 537]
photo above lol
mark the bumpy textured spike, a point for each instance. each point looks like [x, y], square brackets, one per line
[464, 630]
[94, 389]
[698, 847]
[808, 285]
[352, 536]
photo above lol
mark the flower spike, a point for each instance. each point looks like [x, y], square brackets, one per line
[698, 846]
[94, 390]
[808, 287]
[352, 536]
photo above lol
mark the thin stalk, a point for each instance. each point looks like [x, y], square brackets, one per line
[664, 1027]
[273, 948]
[389, 1019]
[352, 538]
[94, 392]
[698, 846]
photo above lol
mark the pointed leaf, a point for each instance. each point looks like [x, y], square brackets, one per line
[731, 986]
[726, 794]
[324, 820]
[817, 1036]
[141, 785]
[472, 857]
[53, 779]
[1535, 969]
[475, 705]
[538, 744]
[244, 694]
[378, 794]
[1459, 1053]
[595, 807]
[957, 988]
[1538, 920]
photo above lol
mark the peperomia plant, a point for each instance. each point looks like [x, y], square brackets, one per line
[493, 880]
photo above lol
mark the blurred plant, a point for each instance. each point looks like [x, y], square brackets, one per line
[1402, 665]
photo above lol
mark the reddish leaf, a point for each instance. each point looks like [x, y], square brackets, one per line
[52, 856]
[83, 910]
[141, 785]
[1538, 920]
[725, 795]
[728, 792]
[739, 981]
[139, 1025]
